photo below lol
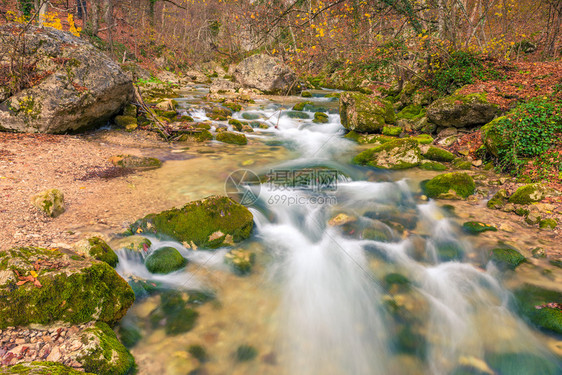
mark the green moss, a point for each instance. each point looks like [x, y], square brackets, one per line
[535, 303]
[250, 116]
[363, 113]
[527, 194]
[297, 115]
[392, 131]
[246, 353]
[197, 221]
[51, 202]
[521, 364]
[432, 166]
[493, 138]
[91, 292]
[476, 227]
[306, 94]
[130, 110]
[203, 135]
[129, 335]
[438, 154]
[232, 138]
[219, 113]
[548, 224]
[234, 107]
[460, 163]
[203, 125]
[376, 234]
[186, 119]
[172, 115]
[165, 260]
[320, 118]
[237, 124]
[241, 261]
[448, 251]
[411, 112]
[506, 258]
[110, 357]
[300, 106]
[198, 352]
[397, 154]
[423, 139]
[124, 121]
[449, 186]
[181, 322]
[101, 251]
[41, 368]
[498, 200]
[396, 279]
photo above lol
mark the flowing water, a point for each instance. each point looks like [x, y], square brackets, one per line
[350, 275]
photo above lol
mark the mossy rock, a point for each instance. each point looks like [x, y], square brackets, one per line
[186, 119]
[362, 113]
[460, 163]
[506, 258]
[376, 139]
[107, 355]
[448, 251]
[234, 107]
[297, 115]
[527, 194]
[397, 154]
[124, 121]
[135, 162]
[541, 306]
[250, 116]
[130, 110]
[320, 118]
[232, 138]
[411, 112]
[498, 200]
[98, 249]
[198, 352]
[423, 139]
[396, 279]
[493, 138]
[548, 224]
[203, 135]
[219, 113]
[462, 111]
[247, 128]
[449, 186]
[165, 260]
[172, 115]
[211, 222]
[437, 154]
[181, 322]
[306, 94]
[73, 289]
[129, 334]
[203, 125]
[237, 124]
[245, 353]
[432, 166]
[50, 202]
[240, 261]
[134, 243]
[522, 364]
[41, 368]
[476, 227]
[379, 233]
[392, 131]
[300, 106]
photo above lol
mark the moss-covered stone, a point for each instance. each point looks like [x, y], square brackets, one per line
[432, 166]
[411, 112]
[449, 250]
[462, 111]
[423, 139]
[237, 124]
[306, 94]
[498, 200]
[234, 107]
[449, 186]
[124, 121]
[232, 138]
[297, 115]
[493, 138]
[521, 364]
[437, 154]
[320, 118]
[506, 258]
[541, 306]
[397, 154]
[107, 356]
[549, 224]
[98, 249]
[172, 115]
[476, 227]
[219, 113]
[129, 334]
[165, 260]
[130, 110]
[245, 353]
[51, 202]
[40, 368]
[135, 162]
[363, 113]
[396, 279]
[212, 222]
[527, 194]
[300, 106]
[250, 116]
[460, 163]
[203, 135]
[186, 119]
[198, 352]
[203, 125]
[134, 243]
[72, 289]
[392, 131]
[241, 261]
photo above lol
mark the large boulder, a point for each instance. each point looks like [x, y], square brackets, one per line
[265, 73]
[397, 154]
[462, 111]
[211, 222]
[48, 285]
[493, 138]
[365, 114]
[75, 86]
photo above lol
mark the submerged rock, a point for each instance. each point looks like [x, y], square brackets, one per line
[521, 363]
[165, 260]
[211, 222]
[51, 202]
[265, 73]
[362, 113]
[543, 307]
[47, 285]
[506, 258]
[241, 261]
[397, 154]
[449, 186]
[462, 111]
[476, 227]
[232, 138]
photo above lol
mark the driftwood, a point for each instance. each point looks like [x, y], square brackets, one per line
[159, 125]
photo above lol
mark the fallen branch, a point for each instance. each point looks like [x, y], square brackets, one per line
[160, 126]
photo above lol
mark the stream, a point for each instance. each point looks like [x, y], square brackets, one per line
[350, 274]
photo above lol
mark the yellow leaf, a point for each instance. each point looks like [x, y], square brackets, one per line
[34, 274]
[139, 230]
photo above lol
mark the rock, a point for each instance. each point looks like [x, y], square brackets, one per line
[476, 227]
[538, 252]
[221, 86]
[218, 113]
[232, 138]
[41, 368]
[67, 288]
[265, 73]
[134, 243]
[392, 131]
[506, 258]
[498, 200]
[211, 222]
[320, 118]
[51, 202]
[125, 121]
[548, 224]
[541, 306]
[448, 141]
[449, 186]
[130, 110]
[233, 106]
[241, 261]
[460, 163]
[494, 138]
[98, 249]
[528, 194]
[306, 94]
[135, 162]
[432, 166]
[533, 218]
[165, 260]
[82, 87]
[449, 250]
[129, 334]
[462, 111]
[341, 219]
[362, 113]
[166, 105]
[436, 154]
[397, 154]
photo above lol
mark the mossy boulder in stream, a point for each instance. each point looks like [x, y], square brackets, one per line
[41, 368]
[362, 113]
[437, 154]
[397, 154]
[527, 194]
[47, 285]
[543, 307]
[476, 227]
[51, 202]
[320, 118]
[506, 258]
[98, 249]
[165, 260]
[211, 222]
[449, 186]
[232, 138]
[432, 166]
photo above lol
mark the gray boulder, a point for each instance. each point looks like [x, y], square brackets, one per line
[76, 86]
[462, 111]
[265, 73]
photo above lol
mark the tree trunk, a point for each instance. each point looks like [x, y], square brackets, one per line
[94, 18]
[108, 7]
[81, 10]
